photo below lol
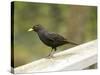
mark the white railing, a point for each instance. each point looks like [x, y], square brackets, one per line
[76, 58]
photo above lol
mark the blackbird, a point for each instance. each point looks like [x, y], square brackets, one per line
[50, 39]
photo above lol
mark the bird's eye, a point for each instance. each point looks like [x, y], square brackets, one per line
[37, 25]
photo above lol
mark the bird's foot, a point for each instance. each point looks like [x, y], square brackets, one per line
[50, 56]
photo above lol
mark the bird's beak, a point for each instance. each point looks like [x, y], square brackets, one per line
[30, 29]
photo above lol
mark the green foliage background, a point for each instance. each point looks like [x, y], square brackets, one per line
[76, 23]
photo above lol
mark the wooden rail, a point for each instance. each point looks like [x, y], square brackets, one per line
[76, 58]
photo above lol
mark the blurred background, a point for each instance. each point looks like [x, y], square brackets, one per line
[76, 23]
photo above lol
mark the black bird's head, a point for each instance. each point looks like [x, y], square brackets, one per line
[36, 28]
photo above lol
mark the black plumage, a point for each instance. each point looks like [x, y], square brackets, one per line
[49, 38]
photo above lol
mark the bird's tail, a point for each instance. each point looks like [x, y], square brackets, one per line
[73, 43]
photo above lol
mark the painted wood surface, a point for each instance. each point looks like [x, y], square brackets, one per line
[76, 58]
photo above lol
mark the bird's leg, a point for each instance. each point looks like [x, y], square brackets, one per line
[50, 54]
[55, 49]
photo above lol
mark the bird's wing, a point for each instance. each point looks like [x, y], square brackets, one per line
[55, 37]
